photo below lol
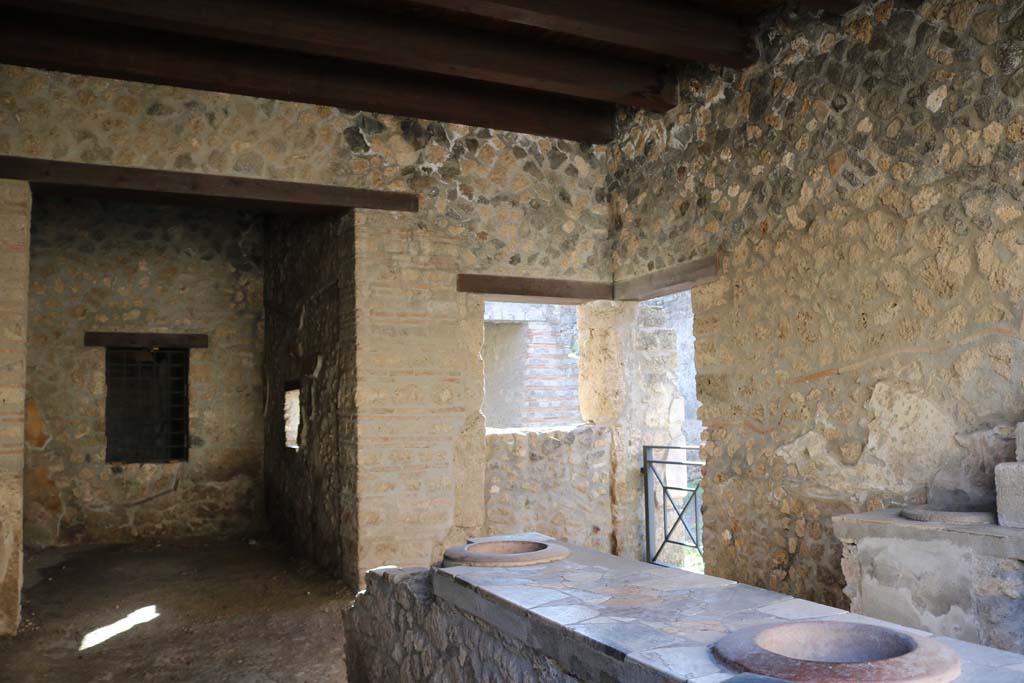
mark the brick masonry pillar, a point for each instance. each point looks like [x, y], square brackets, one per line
[421, 452]
[15, 217]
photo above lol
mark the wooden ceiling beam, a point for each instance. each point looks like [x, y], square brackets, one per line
[96, 49]
[353, 34]
[677, 32]
[141, 184]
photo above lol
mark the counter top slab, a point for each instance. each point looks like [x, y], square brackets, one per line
[600, 615]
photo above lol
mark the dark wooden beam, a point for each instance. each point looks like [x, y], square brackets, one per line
[507, 288]
[146, 340]
[834, 7]
[350, 33]
[148, 185]
[83, 47]
[669, 280]
[678, 32]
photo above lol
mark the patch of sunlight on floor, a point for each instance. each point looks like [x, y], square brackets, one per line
[105, 633]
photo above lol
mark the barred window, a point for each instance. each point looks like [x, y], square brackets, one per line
[147, 405]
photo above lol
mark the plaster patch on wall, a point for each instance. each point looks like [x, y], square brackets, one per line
[909, 438]
[922, 584]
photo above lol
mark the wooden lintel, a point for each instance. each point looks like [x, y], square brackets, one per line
[146, 340]
[140, 183]
[542, 290]
[667, 281]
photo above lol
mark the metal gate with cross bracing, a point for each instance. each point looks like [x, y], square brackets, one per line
[672, 503]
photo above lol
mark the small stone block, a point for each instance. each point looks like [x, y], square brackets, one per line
[1010, 494]
[1020, 442]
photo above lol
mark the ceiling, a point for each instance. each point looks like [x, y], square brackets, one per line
[548, 67]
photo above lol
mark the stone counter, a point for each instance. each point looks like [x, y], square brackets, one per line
[591, 617]
[965, 582]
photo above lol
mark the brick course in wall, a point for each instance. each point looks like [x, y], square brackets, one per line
[419, 391]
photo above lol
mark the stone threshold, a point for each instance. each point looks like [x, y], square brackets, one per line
[607, 618]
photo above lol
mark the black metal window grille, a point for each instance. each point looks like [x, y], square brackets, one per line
[673, 497]
[147, 405]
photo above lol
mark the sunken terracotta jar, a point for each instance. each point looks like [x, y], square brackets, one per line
[837, 652]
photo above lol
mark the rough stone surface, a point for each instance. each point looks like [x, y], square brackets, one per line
[554, 481]
[862, 183]
[397, 631]
[970, 480]
[956, 581]
[107, 266]
[1010, 494]
[504, 202]
[15, 213]
[311, 339]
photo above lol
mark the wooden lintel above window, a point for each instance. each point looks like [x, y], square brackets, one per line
[144, 184]
[529, 289]
[146, 340]
[677, 278]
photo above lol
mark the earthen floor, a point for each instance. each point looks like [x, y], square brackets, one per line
[197, 610]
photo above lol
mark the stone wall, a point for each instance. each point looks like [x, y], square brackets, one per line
[398, 632]
[491, 202]
[628, 384]
[531, 365]
[679, 317]
[15, 216]
[504, 354]
[863, 183]
[309, 298]
[553, 481]
[503, 202]
[116, 267]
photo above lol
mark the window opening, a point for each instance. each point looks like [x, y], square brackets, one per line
[147, 405]
[292, 416]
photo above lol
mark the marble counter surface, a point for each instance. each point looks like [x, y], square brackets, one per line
[604, 617]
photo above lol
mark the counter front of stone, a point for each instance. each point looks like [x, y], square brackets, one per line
[960, 581]
[594, 617]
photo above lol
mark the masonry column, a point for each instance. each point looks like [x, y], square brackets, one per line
[421, 461]
[628, 383]
[609, 397]
[15, 217]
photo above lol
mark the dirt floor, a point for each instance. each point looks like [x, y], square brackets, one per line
[195, 610]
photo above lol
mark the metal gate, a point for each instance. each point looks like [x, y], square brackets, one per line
[674, 486]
